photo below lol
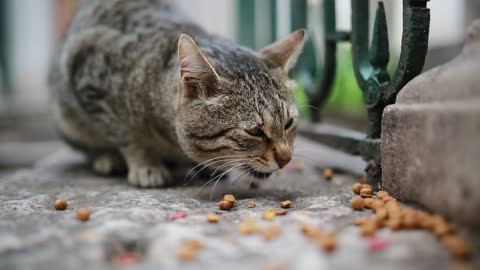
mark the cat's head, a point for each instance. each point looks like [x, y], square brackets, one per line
[235, 107]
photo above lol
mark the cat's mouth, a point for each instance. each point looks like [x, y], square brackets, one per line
[259, 174]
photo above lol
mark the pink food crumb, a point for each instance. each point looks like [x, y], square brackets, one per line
[377, 244]
[127, 258]
[179, 215]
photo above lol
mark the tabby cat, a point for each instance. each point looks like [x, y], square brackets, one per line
[138, 87]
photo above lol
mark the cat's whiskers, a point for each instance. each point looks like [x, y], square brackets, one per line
[220, 176]
[228, 163]
[308, 106]
[247, 170]
[208, 160]
[229, 159]
[237, 178]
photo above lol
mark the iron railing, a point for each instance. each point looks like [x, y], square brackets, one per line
[370, 66]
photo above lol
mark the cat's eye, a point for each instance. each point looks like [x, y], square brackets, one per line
[289, 123]
[257, 132]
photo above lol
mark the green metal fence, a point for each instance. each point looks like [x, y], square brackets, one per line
[370, 62]
[4, 67]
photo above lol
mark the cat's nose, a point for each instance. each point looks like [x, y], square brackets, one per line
[282, 156]
[283, 161]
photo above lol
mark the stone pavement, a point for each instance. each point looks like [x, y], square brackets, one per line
[35, 236]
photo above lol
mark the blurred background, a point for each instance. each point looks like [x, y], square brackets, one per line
[30, 29]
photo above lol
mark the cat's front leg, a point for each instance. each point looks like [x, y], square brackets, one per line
[144, 170]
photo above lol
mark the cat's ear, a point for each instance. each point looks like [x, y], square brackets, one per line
[284, 52]
[197, 75]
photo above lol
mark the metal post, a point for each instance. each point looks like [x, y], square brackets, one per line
[370, 66]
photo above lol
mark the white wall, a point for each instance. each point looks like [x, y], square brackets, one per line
[31, 40]
[216, 16]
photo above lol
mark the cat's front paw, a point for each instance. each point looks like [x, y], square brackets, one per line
[148, 177]
[109, 164]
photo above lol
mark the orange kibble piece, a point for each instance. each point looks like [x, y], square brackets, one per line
[441, 229]
[367, 186]
[185, 254]
[377, 204]
[60, 204]
[327, 242]
[229, 198]
[356, 188]
[189, 250]
[328, 174]
[299, 167]
[83, 214]
[248, 227]
[251, 204]
[286, 204]
[225, 205]
[394, 224]
[368, 229]
[358, 203]
[457, 246]
[359, 221]
[388, 199]
[382, 194]
[369, 203]
[366, 192]
[280, 212]
[212, 218]
[269, 215]
[310, 231]
[271, 232]
[409, 221]
[382, 213]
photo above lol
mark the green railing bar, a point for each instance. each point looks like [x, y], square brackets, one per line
[246, 23]
[4, 60]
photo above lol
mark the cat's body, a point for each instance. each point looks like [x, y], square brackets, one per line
[130, 89]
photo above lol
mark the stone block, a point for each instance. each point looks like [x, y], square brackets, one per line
[431, 138]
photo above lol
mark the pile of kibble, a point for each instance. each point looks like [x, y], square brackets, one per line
[389, 213]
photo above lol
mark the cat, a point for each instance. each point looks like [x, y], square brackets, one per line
[137, 87]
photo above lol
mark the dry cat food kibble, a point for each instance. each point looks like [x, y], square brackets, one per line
[357, 187]
[189, 250]
[83, 214]
[60, 204]
[388, 199]
[212, 218]
[286, 204]
[389, 213]
[382, 194]
[251, 204]
[225, 205]
[368, 229]
[310, 231]
[369, 203]
[229, 198]
[271, 232]
[358, 203]
[366, 192]
[457, 247]
[248, 226]
[298, 167]
[280, 212]
[359, 221]
[269, 215]
[328, 174]
[327, 242]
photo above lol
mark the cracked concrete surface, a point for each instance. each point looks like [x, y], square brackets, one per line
[35, 236]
